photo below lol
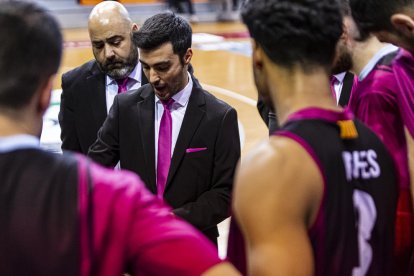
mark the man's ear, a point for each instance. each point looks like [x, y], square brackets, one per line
[257, 55]
[45, 93]
[344, 34]
[134, 27]
[345, 31]
[187, 56]
[350, 31]
[403, 23]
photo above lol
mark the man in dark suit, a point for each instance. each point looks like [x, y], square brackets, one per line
[63, 215]
[88, 91]
[342, 85]
[200, 138]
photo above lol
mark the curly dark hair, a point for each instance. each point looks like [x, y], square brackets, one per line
[30, 52]
[162, 28]
[295, 31]
[375, 15]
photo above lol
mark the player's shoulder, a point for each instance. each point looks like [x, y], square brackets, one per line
[279, 175]
[278, 158]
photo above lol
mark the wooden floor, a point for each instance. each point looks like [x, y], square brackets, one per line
[224, 73]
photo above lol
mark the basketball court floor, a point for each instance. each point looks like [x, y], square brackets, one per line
[222, 64]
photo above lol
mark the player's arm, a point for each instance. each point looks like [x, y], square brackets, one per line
[277, 195]
[410, 148]
[221, 269]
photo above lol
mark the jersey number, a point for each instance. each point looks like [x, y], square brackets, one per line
[366, 217]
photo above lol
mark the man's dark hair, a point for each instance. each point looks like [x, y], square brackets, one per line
[29, 53]
[162, 28]
[293, 32]
[346, 11]
[375, 15]
[345, 8]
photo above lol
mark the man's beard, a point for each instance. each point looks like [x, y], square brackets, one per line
[118, 69]
[343, 63]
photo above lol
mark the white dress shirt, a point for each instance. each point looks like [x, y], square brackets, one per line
[338, 85]
[178, 109]
[134, 82]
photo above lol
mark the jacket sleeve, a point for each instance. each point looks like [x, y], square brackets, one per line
[213, 206]
[68, 134]
[134, 230]
[105, 150]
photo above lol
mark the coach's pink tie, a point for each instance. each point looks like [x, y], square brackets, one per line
[122, 85]
[164, 147]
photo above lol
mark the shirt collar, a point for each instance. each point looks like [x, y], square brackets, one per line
[389, 48]
[182, 97]
[15, 142]
[136, 75]
[340, 77]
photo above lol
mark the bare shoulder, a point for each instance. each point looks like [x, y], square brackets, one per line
[278, 176]
[280, 158]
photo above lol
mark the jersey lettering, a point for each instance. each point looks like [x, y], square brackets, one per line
[361, 164]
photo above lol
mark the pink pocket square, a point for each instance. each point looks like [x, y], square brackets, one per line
[190, 150]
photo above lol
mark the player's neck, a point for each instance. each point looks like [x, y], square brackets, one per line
[364, 52]
[13, 123]
[295, 90]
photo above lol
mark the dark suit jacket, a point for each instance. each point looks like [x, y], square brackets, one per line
[83, 106]
[199, 184]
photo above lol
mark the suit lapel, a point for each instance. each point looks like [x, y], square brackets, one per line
[96, 95]
[192, 118]
[146, 121]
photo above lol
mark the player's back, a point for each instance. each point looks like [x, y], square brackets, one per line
[39, 233]
[375, 103]
[354, 229]
[64, 215]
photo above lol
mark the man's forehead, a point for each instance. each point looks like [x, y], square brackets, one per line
[104, 33]
[162, 53]
[108, 25]
[156, 60]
